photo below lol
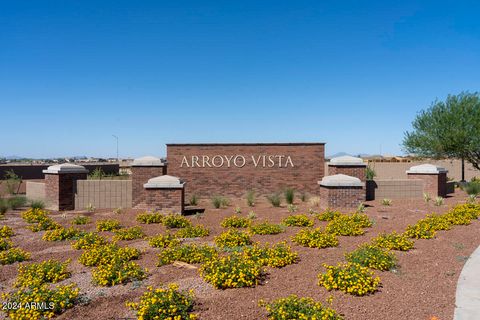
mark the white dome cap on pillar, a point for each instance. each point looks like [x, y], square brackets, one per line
[164, 182]
[340, 180]
[426, 169]
[65, 168]
[346, 161]
[148, 161]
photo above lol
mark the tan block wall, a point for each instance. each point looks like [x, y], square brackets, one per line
[398, 189]
[170, 200]
[35, 190]
[103, 194]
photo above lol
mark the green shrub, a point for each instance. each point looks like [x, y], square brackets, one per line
[372, 257]
[370, 173]
[266, 228]
[12, 182]
[79, 220]
[251, 198]
[17, 202]
[472, 188]
[37, 204]
[289, 194]
[193, 200]
[3, 206]
[294, 307]
[236, 222]
[274, 199]
[303, 197]
[189, 253]
[175, 221]
[220, 202]
[299, 220]
[439, 201]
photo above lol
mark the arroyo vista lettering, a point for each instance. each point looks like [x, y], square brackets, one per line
[239, 161]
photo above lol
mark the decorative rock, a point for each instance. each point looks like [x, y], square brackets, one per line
[341, 180]
[426, 169]
[164, 182]
[65, 168]
[346, 161]
[148, 161]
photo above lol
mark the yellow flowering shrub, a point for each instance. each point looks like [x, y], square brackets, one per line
[5, 244]
[117, 271]
[6, 232]
[44, 224]
[192, 232]
[34, 215]
[232, 238]
[175, 221]
[277, 256]
[13, 255]
[361, 219]
[189, 253]
[457, 219]
[164, 304]
[420, 230]
[232, 271]
[104, 254]
[163, 241]
[349, 277]
[36, 274]
[236, 222]
[79, 220]
[293, 307]
[470, 210]
[108, 225]
[315, 238]
[372, 257]
[345, 225]
[89, 240]
[298, 220]
[43, 302]
[393, 241]
[148, 218]
[129, 233]
[328, 215]
[266, 228]
[61, 234]
[437, 222]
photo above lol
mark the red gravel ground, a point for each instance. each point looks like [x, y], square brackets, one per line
[423, 287]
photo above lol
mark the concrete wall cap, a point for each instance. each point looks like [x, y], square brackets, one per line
[341, 180]
[346, 161]
[426, 168]
[164, 182]
[65, 168]
[148, 161]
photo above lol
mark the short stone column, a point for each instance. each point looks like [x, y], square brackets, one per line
[163, 193]
[342, 191]
[347, 165]
[434, 178]
[61, 184]
[144, 169]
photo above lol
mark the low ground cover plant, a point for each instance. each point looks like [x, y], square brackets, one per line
[150, 217]
[34, 215]
[129, 233]
[17, 202]
[37, 204]
[232, 271]
[293, 307]
[372, 257]
[276, 256]
[106, 254]
[393, 241]
[220, 202]
[350, 278]
[298, 220]
[5, 244]
[108, 225]
[13, 255]
[80, 220]
[189, 253]
[236, 222]
[274, 199]
[192, 232]
[361, 219]
[60, 234]
[289, 194]
[35, 274]
[328, 215]
[420, 230]
[168, 303]
[175, 221]
[89, 240]
[117, 271]
[266, 227]
[44, 224]
[163, 241]
[6, 232]
[232, 238]
[345, 225]
[315, 238]
[250, 198]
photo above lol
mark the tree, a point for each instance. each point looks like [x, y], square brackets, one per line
[448, 129]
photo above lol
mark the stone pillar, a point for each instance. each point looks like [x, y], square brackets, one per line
[347, 165]
[164, 193]
[144, 169]
[342, 191]
[434, 178]
[61, 185]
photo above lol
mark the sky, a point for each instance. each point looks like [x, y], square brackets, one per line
[352, 74]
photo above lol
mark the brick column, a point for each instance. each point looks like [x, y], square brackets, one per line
[144, 169]
[347, 165]
[164, 193]
[61, 184]
[342, 191]
[434, 178]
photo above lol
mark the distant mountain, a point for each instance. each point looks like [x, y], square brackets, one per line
[12, 157]
[338, 154]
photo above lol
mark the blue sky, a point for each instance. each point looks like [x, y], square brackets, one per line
[352, 74]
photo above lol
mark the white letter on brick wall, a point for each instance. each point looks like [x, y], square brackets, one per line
[242, 163]
[184, 161]
[289, 160]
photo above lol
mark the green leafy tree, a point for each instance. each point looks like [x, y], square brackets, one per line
[448, 129]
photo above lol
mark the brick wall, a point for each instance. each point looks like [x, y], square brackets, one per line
[60, 190]
[353, 171]
[103, 194]
[162, 199]
[434, 184]
[207, 177]
[342, 197]
[140, 176]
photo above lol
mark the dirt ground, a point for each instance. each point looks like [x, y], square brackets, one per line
[423, 286]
